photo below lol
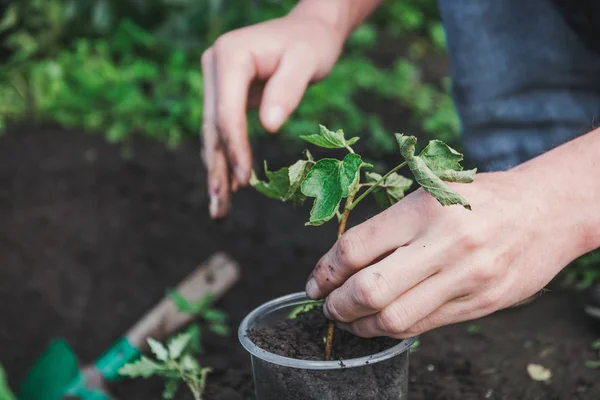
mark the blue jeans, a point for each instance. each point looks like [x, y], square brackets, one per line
[524, 81]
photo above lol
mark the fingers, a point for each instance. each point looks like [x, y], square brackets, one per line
[365, 243]
[235, 72]
[417, 304]
[374, 288]
[213, 155]
[284, 90]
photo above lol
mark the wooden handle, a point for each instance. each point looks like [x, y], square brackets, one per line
[215, 276]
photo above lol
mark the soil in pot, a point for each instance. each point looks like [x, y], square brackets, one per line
[303, 338]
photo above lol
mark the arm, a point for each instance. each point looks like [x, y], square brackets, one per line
[345, 15]
[418, 265]
[269, 66]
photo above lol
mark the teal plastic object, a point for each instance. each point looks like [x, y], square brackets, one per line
[56, 372]
[51, 374]
[121, 353]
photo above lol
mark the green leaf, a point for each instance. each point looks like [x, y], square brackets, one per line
[5, 392]
[329, 181]
[214, 315]
[444, 161]
[158, 349]
[330, 139]
[592, 364]
[278, 185]
[191, 308]
[195, 345]
[189, 363]
[10, 18]
[304, 307]
[296, 174]
[391, 190]
[171, 386]
[219, 329]
[178, 344]
[284, 184]
[142, 368]
[596, 344]
[425, 176]
[182, 304]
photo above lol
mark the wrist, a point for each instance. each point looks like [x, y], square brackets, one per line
[342, 16]
[567, 216]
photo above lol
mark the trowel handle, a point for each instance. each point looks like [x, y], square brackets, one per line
[215, 276]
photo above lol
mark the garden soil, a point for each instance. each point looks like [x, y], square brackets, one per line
[89, 241]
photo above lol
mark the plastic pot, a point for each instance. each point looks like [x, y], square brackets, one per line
[381, 376]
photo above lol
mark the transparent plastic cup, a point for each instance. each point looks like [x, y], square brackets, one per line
[380, 376]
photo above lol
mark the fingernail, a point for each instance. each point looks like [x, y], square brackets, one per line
[274, 118]
[240, 174]
[312, 289]
[326, 312]
[214, 205]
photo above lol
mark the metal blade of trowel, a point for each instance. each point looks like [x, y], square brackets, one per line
[57, 374]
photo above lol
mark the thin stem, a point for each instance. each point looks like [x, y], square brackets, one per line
[341, 230]
[369, 190]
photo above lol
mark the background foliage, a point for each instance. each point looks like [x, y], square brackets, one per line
[131, 67]
[123, 67]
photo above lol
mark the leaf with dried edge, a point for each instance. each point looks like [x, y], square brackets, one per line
[391, 190]
[444, 161]
[284, 184]
[329, 181]
[425, 176]
[330, 139]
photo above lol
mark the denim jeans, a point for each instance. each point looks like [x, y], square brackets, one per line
[524, 80]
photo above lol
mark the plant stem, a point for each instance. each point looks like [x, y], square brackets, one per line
[369, 190]
[341, 230]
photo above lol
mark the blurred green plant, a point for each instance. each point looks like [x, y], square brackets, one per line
[5, 392]
[125, 67]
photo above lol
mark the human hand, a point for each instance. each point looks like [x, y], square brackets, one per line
[267, 65]
[418, 265]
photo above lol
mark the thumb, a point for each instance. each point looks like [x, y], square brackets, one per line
[284, 90]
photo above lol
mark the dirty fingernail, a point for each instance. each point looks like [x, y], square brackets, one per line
[326, 312]
[214, 206]
[274, 118]
[312, 289]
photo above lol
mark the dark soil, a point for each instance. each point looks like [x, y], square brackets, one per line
[89, 241]
[301, 338]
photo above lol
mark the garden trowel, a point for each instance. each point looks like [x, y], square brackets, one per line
[57, 374]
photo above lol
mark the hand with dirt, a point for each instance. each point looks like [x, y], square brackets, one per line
[418, 265]
[268, 65]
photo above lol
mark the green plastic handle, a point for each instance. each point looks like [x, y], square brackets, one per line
[120, 353]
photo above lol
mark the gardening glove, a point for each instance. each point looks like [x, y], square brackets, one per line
[268, 65]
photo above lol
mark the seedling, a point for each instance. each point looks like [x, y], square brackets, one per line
[331, 180]
[202, 309]
[173, 362]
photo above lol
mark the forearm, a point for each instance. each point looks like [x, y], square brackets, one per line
[567, 180]
[344, 15]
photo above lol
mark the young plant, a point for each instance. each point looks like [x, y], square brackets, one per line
[330, 180]
[173, 362]
[202, 309]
